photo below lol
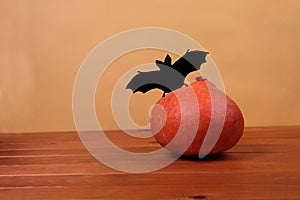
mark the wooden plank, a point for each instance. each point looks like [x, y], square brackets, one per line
[165, 192]
[167, 178]
[264, 165]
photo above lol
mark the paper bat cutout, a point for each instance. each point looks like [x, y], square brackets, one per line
[169, 77]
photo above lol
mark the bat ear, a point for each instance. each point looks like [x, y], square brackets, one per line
[159, 62]
[168, 60]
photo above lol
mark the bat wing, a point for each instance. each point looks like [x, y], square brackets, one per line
[147, 87]
[190, 61]
[166, 79]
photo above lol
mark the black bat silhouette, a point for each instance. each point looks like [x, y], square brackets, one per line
[169, 77]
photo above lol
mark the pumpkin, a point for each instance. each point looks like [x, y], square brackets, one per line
[168, 113]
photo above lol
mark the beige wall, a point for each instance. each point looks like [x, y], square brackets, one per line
[255, 44]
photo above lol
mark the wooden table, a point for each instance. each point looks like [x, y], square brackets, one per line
[265, 164]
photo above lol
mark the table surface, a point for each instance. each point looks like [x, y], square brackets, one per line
[265, 164]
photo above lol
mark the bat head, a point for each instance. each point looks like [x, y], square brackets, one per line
[167, 62]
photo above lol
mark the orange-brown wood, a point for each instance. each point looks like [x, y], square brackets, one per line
[265, 164]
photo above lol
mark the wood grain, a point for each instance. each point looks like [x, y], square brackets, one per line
[265, 164]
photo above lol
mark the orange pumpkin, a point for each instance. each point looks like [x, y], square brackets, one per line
[165, 122]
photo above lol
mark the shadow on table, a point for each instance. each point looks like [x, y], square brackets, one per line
[212, 157]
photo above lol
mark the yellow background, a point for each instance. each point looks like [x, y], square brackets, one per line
[255, 44]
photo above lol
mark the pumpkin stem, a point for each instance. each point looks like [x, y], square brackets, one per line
[200, 78]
